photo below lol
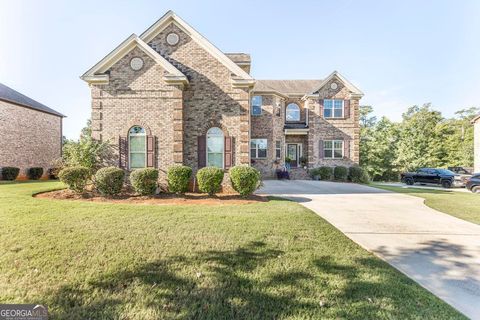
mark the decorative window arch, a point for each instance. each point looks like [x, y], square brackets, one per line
[292, 112]
[215, 147]
[137, 147]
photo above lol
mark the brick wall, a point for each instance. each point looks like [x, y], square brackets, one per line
[29, 138]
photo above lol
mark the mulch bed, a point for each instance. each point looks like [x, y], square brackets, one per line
[160, 199]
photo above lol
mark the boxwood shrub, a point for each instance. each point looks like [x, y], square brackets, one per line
[323, 173]
[144, 181]
[210, 180]
[76, 178]
[178, 178]
[340, 173]
[245, 180]
[34, 173]
[109, 180]
[358, 175]
[10, 173]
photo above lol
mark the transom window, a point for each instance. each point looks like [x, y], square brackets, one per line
[215, 147]
[333, 149]
[257, 105]
[292, 112]
[137, 147]
[333, 108]
[258, 148]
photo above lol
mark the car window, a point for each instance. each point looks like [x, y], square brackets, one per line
[422, 170]
[445, 171]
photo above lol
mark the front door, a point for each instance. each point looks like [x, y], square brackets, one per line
[292, 153]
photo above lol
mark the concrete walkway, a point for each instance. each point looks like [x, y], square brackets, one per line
[440, 252]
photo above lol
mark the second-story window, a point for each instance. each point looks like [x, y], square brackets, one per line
[332, 108]
[293, 112]
[256, 105]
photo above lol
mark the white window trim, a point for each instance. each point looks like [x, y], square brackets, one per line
[333, 109]
[333, 149]
[299, 112]
[129, 148]
[261, 106]
[255, 156]
[206, 148]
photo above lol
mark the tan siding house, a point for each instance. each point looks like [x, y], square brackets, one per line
[30, 132]
[169, 96]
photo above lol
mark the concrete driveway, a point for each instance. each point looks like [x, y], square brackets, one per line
[440, 252]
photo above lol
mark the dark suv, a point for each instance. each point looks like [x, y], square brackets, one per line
[473, 184]
[443, 177]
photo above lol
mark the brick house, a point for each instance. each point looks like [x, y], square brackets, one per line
[31, 133]
[169, 97]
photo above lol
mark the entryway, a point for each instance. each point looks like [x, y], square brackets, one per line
[294, 152]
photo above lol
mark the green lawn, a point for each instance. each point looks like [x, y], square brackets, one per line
[462, 205]
[274, 260]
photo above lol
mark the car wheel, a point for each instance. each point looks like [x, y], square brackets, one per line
[446, 184]
[476, 189]
[409, 182]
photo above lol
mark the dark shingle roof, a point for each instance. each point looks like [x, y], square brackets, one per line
[287, 87]
[9, 95]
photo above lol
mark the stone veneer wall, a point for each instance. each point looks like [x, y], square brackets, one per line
[325, 129]
[29, 138]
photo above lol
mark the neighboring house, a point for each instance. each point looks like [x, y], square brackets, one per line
[30, 132]
[169, 97]
[476, 143]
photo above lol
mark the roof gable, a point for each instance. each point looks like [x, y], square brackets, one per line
[9, 95]
[96, 74]
[242, 77]
[347, 83]
[286, 87]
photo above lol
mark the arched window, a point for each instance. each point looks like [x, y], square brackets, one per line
[215, 147]
[137, 146]
[293, 112]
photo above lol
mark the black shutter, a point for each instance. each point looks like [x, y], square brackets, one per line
[202, 152]
[123, 152]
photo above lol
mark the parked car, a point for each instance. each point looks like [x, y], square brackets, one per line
[473, 184]
[443, 177]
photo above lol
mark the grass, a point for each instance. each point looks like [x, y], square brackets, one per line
[274, 260]
[462, 205]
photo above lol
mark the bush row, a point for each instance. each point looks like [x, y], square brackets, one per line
[11, 173]
[340, 173]
[109, 181]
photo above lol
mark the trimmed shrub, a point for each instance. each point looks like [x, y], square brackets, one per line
[340, 173]
[210, 180]
[109, 180]
[34, 173]
[323, 173]
[245, 180]
[178, 178]
[76, 178]
[357, 175]
[144, 181]
[10, 173]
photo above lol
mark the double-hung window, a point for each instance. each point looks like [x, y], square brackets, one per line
[138, 147]
[332, 108]
[333, 149]
[256, 105]
[258, 148]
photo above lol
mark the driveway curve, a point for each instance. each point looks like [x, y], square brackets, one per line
[439, 251]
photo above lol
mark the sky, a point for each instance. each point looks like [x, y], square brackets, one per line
[399, 53]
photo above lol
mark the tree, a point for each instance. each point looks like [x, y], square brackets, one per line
[86, 152]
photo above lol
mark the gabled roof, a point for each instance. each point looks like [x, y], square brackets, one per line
[239, 58]
[475, 119]
[286, 87]
[96, 74]
[9, 95]
[242, 78]
[347, 83]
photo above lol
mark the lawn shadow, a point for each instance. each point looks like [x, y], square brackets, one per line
[223, 288]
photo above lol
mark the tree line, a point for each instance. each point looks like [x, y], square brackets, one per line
[424, 138]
